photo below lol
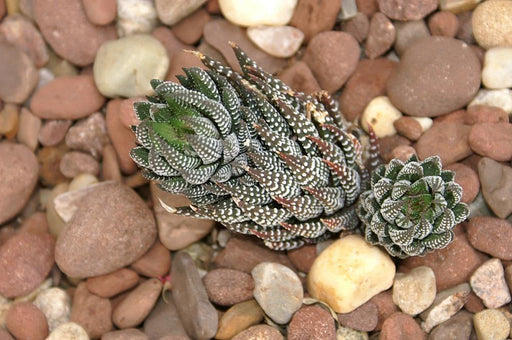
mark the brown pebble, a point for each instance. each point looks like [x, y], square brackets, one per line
[448, 141]
[474, 304]
[156, 262]
[443, 23]
[4, 334]
[364, 318]
[258, 332]
[407, 10]
[123, 139]
[456, 117]
[408, 127]
[385, 307]
[9, 118]
[485, 114]
[131, 334]
[100, 12]
[367, 7]
[388, 144]
[303, 257]
[111, 284]
[312, 322]
[26, 321]
[226, 287]
[75, 163]
[491, 235]
[19, 75]
[190, 29]
[467, 178]
[493, 140]
[313, 17]
[91, 312]
[36, 223]
[300, 78]
[49, 158]
[358, 26]
[381, 36]
[89, 135]
[401, 326]
[53, 131]
[465, 32]
[403, 152]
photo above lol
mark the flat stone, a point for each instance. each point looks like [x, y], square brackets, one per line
[491, 24]
[238, 318]
[19, 75]
[415, 291]
[227, 287]
[111, 284]
[91, 312]
[312, 322]
[496, 184]
[488, 283]
[491, 235]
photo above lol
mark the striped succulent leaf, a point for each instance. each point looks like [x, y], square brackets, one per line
[252, 154]
[412, 207]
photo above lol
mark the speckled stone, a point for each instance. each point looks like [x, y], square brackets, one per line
[226, 287]
[312, 322]
[488, 283]
[415, 291]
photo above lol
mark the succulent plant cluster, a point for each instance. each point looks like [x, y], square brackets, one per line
[252, 154]
[412, 207]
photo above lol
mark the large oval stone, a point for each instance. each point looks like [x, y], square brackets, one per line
[111, 229]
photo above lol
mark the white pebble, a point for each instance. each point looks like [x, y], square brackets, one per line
[279, 41]
[500, 98]
[497, 71]
[68, 331]
[135, 16]
[425, 122]
[380, 114]
[258, 12]
[350, 272]
[55, 305]
[170, 12]
[124, 67]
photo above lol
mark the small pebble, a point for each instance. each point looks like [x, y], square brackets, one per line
[458, 326]
[170, 12]
[493, 140]
[55, 305]
[488, 283]
[443, 23]
[227, 287]
[144, 58]
[190, 29]
[110, 170]
[278, 290]
[163, 320]
[401, 326]
[348, 286]
[128, 333]
[407, 10]
[29, 127]
[281, 41]
[385, 306]
[9, 119]
[26, 321]
[357, 26]
[238, 318]
[113, 283]
[135, 16]
[100, 12]
[381, 36]
[19, 75]
[491, 24]
[447, 303]
[380, 114]
[402, 152]
[467, 178]
[491, 324]
[259, 332]
[300, 78]
[303, 257]
[254, 13]
[485, 114]
[312, 17]
[415, 291]
[408, 127]
[408, 33]
[75, 163]
[53, 131]
[91, 312]
[363, 318]
[156, 262]
[496, 186]
[491, 235]
[497, 70]
[88, 135]
[312, 322]
[137, 304]
[457, 6]
[68, 330]
[499, 98]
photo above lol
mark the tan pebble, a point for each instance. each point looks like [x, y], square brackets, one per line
[9, 117]
[491, 324]
[68, 330]
[381, 115]
[28, 131]
[403, 152]
[281, 41]
[491, 24]
[443, 23]
[49, 160]
[254, 13]
[111, 284]
[55, 222]
[238, 318]
[156, 262]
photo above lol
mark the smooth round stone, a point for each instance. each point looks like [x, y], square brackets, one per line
[135, 16]
[312, 16]
[493, 140]
[415, 291]
[491, 235]
[226, 287]
[26, 321]
[171, 12]
[349, 272]
[238, 318]
[409, 32]
[58, 98]
[492, 25]
[55, 304]
[100, 12]
[19, 75]
[91, 312]
[68, 330]
[380, 114]
[499, 98]
[497, 71]
[258, 12]
[100, 242]
[435, 76]
[129, 333]
[19, 171]
[491, 324]
[124, 67]
[281, 41]
[111, 284]
[29, 127]
[155, 263]
[259, 332]
[278, 290]
[401, 326]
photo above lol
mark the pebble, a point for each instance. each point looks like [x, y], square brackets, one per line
[458, 326]
[156, 262]
[167, 38]
[443, 23]
[451, 265]
[491, 324]
[88, 135]
[493, 140]
[111, 284]
[447, 140]
[19, 75]
[26, 321]
[499, 98]
[278, 290]
[226, 287]
[367, 82]
[380, 114]
[58, 99]
[280, 41]
[381, 36]
[313, 17]
[91, 312]
[75, 163]
[496, 186]
[164, 320]
[300, 78]
[128, 333]
[218, 32]
[385, 306]
[497, 70]
[55, 222]
[303, 257]
[408, 33]
[341, 278]
[122, 138]
[415, 291]
[69, 32]
[176, 232]
[144, 58]
[29, 127]
[171, 12]
[333, 57]
[110, 167]
[56, 305]
[491, 24]
[137, 304]
[36, 223]
[407, 10]
[408, 127]
[358, 26]
[436, 75]
[485, 114]
[9, 119]
[446, 304]
[25, 261]
[181, 60]
[401, 326]
[100, 12]
[254, 13]
[53, 131]
[119, 212]
[68, 330]
[363, 318]
[238, 318]
[488, 283]
[312, 322]
[190, 29]
[244, 254]
[491, 235]
[21, 32]
[259, 332]
[467, 178]
[135, 16]
[402, 152]
[456, 6]
[198, 315]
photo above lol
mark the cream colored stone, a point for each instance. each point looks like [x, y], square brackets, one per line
[28, 130]
[425, 122]
[497, 70]
[491, 324]
[125, 67]
[68, 331]
[135, 16]
[281, 41]
[458, 6]
[491, 23]
[500, 98]
[380, 114]
[55, 222]
[415, 291]
[55, 305]
[258, 12]
[350, 272]
[171, 12]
